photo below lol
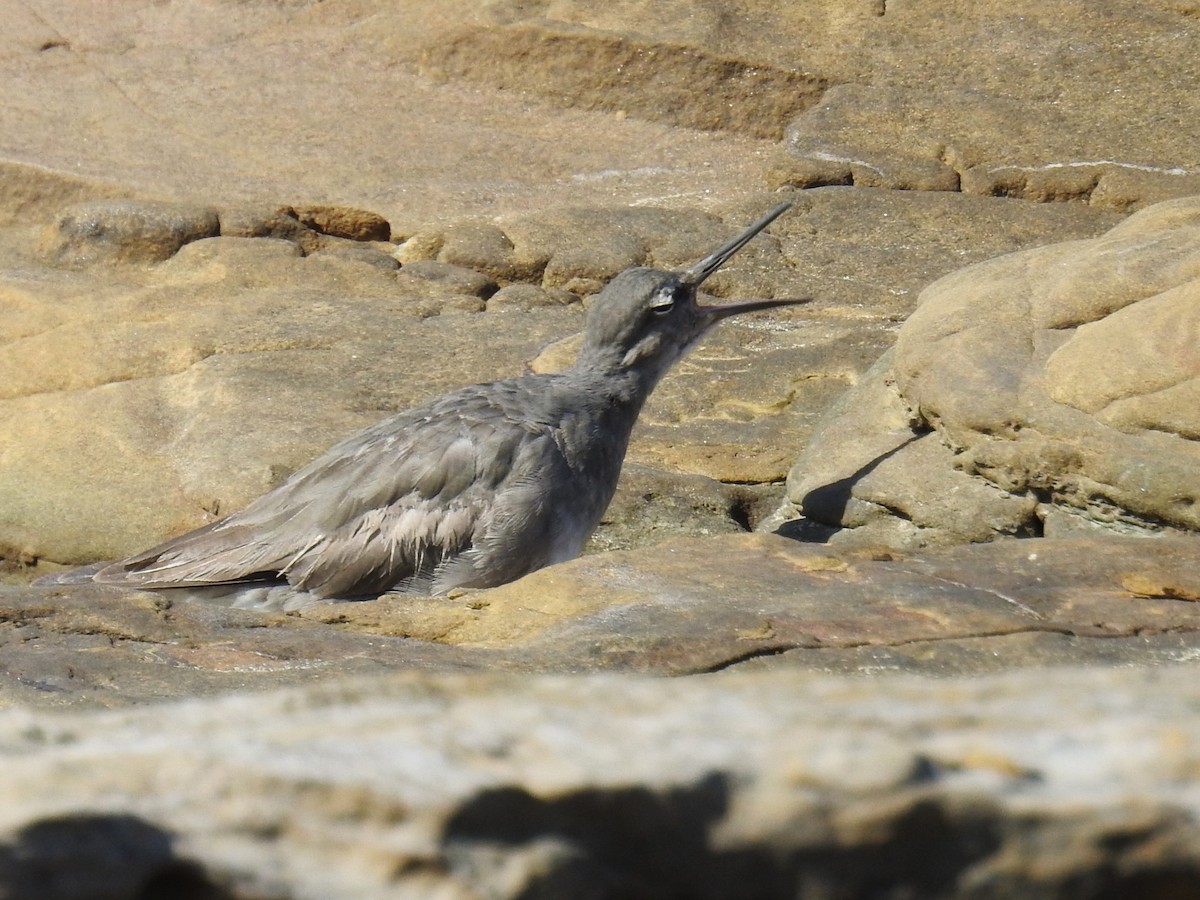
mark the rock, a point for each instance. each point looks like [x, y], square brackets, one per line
[487, 249]
[675, 605]
[269, 222]
[138, 400]
[123, 231]
[580, 250]
[571, 106]
[344, 222]
[208, 379]
[651, 506]
[30, 193]
[529, 297]
[1028, 392]
[355, 252]
[489, 785]
[439, 278]
[659, 80]
[181, 359]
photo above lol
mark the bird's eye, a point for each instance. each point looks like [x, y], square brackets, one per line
[662, 302]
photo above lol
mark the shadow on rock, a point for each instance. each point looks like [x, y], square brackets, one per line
[635, 843]
[82, 857]
[828, 502]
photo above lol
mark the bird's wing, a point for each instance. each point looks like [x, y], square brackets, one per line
[388, 504]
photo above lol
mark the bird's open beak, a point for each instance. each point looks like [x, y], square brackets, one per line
[696, 275]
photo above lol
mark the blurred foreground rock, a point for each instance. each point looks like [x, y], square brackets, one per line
[766, 786]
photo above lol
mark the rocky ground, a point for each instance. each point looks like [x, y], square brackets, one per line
[231, 233]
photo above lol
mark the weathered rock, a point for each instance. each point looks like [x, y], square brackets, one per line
[684, 605]
[651, 506]
[225, 367]
[268, 222]
[356, 252]
[205, 381]
[344, 222]
[174, 391]
[123, 231]
[660, 80]
[439, 278]
[1027, 394]
[468, 786]
[29, 193]
[527, 297]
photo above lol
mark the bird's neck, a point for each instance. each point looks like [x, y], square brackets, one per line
[625, 387]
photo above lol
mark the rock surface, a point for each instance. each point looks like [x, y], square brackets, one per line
[683, 606]
[411, 198]
[492, 785]
[1037, 393]
[507, 108]
[209, 377]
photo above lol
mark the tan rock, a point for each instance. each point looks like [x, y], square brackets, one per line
[344, 222]
[238, 359]
[684, 605]
[1057, 377]
[123, 231]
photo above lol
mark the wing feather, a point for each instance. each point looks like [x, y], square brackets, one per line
[391, 503]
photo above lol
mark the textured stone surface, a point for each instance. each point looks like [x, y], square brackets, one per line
[119, 231]
[686, 605]
[462, 786]
[453, 107]
[1040, 392]
[553, 144]
[208, 378]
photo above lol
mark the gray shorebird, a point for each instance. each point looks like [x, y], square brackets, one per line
[475, 489]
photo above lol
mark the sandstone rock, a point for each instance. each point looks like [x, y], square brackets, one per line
[214, 374]
[438, 277]
[660, 80]
[176, 390]
[208, 379]
[487, 249]
[268, 222]
[1054, 378]
[529, 297]
[344, 222]
[580, 250]
[30, 193]
[592, 100]
[355, 252]
[123, 231]
[683, 605]
[651, 506]
[485, 785]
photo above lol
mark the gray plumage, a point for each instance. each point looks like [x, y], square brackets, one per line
[475, 489]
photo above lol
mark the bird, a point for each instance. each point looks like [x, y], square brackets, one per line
[472, 490]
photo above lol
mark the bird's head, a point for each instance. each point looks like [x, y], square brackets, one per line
[646, 319]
